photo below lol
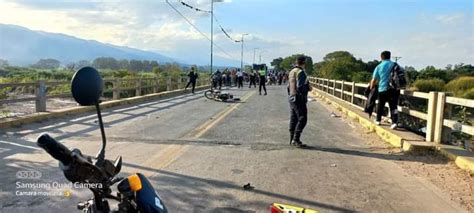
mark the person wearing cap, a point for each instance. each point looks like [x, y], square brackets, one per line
[298, 88]
[193, 76]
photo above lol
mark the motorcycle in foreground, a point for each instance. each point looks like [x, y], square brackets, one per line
[135, 192]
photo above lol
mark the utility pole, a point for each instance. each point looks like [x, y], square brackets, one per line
[242, 52]
[212, 31]
[254, 54]
[396, 58]
[260, 56]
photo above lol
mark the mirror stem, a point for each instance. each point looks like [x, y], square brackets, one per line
[101, 154]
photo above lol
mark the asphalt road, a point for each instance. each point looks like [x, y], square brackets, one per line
[199, 153]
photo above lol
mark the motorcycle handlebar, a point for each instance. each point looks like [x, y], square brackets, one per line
[57, 150]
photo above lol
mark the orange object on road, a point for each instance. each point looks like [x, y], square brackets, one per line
[283, 208]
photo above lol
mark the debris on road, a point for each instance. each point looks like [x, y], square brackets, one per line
[248, 186]
[335, 115]
[333, 165]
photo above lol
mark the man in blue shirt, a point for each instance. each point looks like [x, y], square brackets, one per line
[381, 78]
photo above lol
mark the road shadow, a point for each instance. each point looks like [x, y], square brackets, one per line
[90, 120]
[427, 157]
[13, 193]
[201, 194]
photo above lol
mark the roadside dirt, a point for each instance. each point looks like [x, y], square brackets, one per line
[428, 165]
[13, 110]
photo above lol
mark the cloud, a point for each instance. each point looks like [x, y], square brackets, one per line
[451, 19]
[154, 25]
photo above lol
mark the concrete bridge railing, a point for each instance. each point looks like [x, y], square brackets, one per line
[117, 88]
[440, 121]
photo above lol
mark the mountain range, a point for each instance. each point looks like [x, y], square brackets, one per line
[21, 46]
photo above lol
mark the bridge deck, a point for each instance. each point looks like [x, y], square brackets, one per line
[199, 153]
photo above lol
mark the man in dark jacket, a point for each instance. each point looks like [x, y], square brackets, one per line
[217, 79]
[262, 73]
[298, 89]
[193, 76]
[253, 79]
[372, 95]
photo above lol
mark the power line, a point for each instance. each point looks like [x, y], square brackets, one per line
[215, 18]
[223, 30]
[196, 28]
[194, 8]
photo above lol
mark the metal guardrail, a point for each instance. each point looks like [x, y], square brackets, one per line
[438, 116]
[119, 86]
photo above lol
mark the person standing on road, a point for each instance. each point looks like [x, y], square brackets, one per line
[262, 73]
[298, 89]
[240, 78]
[217, 79]
[252, 78]
[387, 93]
[193, 76]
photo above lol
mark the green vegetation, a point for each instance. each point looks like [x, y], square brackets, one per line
[461, 86]
[427, 85]
[47, 70]
[287, 63]
[342, 65]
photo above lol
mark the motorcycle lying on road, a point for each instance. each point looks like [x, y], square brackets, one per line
[218, 95]
[135, 192]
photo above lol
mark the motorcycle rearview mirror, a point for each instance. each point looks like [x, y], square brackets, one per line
[86, 89]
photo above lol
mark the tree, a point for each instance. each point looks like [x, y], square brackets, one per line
[124, 64]
[154, 64]
[411, 73]
[276, 63]
[3, 63]
[136, 65]
[463, 70]
[82, 63]
[370, 65]
[48, 63]
[146, 66]
[105, 63]
[71, 66]
[342, 65]
[288, 62]
[431, 72]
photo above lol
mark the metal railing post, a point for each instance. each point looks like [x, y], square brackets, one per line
[40, 96]
[430, 121]
[334, 88]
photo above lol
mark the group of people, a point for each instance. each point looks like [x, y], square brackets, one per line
[228, 78]
[383, 85]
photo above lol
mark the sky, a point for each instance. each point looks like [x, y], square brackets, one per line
[422, 32]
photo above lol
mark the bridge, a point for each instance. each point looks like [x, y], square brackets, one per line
[199, 153]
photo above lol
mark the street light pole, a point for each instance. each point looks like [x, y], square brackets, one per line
[260, 56]
[396, 58]
[212, 31]
[254, 54]
[242, 52]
